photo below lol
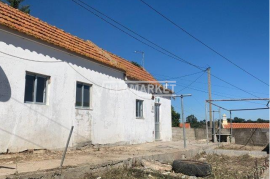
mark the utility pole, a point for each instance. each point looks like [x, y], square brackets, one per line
[142, 57]
[183, 116]
[209, 96]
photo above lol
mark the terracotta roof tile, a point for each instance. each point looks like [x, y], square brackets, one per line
[34, 27]
[247, 125]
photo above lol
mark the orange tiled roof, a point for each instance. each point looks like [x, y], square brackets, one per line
[34, 27]
[187, 125]
[247, 125]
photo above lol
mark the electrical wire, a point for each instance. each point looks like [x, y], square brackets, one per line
[31, 59]
[118, 23]
[219, 94]
[221, 86]
[190, 83]
[173, 78]
[174, 56]
[198, 40]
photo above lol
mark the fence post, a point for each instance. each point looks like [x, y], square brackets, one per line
[65, 151]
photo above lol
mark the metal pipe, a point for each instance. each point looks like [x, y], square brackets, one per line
[247, 99]
[65, 151]
[231, 125]
[219, 127]
[142, 56]
[206, 124]
[252, 109]
[213, 127]
[218, 106]
[183, 122]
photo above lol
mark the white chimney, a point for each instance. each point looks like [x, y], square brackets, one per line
[224, 120]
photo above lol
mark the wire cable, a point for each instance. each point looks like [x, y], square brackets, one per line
[190, 83]
[174, 56]
[26, 59]
[31, 59]
[198, 40]
[219, 94]
[172, 78]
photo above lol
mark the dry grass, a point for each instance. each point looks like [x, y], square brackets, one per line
[133, 173]
[243, 166]
[241, 147]
[223, 167]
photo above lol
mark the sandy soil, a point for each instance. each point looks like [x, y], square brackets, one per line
[241, 147]
[30, 161]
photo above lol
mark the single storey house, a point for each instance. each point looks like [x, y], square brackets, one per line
[51, 80]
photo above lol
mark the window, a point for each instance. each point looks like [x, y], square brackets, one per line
[139, 108]
[83, 95]
[35, 88]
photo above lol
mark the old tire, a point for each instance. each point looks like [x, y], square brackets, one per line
[192, 168]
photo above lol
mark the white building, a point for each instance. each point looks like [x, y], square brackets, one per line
[51, 80]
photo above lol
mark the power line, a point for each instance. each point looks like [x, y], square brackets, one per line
[210, 48]
[172, 78]
[190, 83]
[31, 60]
[218, 94]
[221, 86]
[174, 56]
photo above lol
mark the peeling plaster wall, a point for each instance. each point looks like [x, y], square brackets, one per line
[110, 120]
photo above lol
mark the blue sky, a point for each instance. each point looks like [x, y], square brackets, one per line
[236, 29]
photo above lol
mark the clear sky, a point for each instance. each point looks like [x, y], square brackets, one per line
[236, 29]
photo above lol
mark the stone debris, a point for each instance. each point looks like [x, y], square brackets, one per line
[155, 165]
[202, 159]
[166, 173]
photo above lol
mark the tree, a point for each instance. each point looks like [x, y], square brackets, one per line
[241, 120]
[192, 119]
[259, 120]
[16, 5]
[238, 120]
[194, 123]
[175, 118]
[136, 64]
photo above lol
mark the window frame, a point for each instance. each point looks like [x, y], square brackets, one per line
[141, 111]
[36, 75]
[82, 97]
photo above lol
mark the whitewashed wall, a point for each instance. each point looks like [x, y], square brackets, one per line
[111, 119]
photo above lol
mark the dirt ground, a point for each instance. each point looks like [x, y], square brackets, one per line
[37, 160]
[40, 155]
[241, 147]
[223, 167]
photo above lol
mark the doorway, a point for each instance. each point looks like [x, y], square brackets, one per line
[157, 121]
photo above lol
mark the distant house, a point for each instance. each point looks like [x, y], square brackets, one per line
[247, 126]
[227, 125]
[187, 125]
[51, 80]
